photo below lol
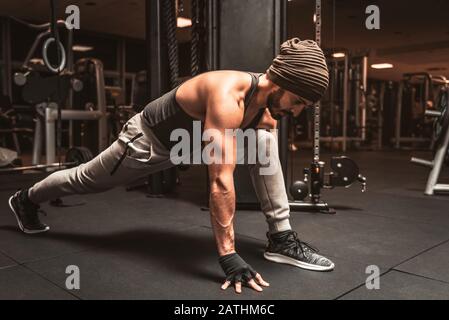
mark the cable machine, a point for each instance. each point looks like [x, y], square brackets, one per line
[344, 170]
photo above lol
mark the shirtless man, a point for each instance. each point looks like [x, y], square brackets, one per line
[221, 100]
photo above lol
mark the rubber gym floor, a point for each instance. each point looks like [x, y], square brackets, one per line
[129, 246]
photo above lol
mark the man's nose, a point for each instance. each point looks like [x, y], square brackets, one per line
[295, 112]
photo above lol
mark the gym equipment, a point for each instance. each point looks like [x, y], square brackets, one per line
[14, 121]
[7, 157]
[49, 92]
[415, 90]
[20, 78]
[163, 70]
[375, 101]
[38, 89]
[343, 108]
[91, 104]
[440, 148]
[43, 91]
[345, 171]
[74, 157]
[299, 190]
[228, 23]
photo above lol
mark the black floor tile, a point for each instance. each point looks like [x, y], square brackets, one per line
[400, 286]
[102, 213]
[167, 264]
[433, 264]
[371, 240]
[5, 261]
[19, 283]
[130, 246]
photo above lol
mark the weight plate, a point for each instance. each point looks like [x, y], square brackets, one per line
[79, 155]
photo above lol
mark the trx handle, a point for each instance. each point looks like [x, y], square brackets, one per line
[63, 59]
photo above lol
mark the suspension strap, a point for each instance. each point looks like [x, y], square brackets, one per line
[317, 107]
[55, 34]
[169, 12]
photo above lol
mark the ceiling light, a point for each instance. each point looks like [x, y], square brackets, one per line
[339, 55]
[81, 48]
[436, 69]
[382, 66]
[184, 22]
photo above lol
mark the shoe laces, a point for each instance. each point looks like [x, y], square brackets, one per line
[298, 245]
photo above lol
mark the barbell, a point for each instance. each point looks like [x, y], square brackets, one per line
[73, 158]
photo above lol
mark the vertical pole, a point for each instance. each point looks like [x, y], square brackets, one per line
[50, 133]
[380, 122]
[363, 92]
[155, 61]
[398, 115]
[70, 68]
[332, 87]
[212, 35]
[121, 67]
[101, 106]
[317, 108]
[212, 54]
[37, 146]
[345, 103]
[6, 57]
[157, 76]
[355, 90]
[280, 36]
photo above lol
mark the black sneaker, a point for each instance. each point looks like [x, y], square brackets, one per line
[285, 247]
[26, 213]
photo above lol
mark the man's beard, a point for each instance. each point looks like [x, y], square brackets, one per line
[274, 100]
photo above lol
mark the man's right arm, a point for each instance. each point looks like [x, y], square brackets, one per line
[221, 172]
[228, 115]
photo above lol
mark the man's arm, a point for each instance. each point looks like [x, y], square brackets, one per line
[221, 116]
[221, 175]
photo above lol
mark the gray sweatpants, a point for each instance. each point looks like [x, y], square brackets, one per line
[147, 155]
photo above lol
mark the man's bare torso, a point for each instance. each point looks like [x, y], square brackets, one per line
[199, 95]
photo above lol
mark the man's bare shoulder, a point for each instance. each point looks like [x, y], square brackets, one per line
[225, 84]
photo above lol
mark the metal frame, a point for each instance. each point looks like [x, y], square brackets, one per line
[40, 124]
[380, 119]
[283, 124]
[121, 67]
[429, 81]
[438, 163]
[6, 76]
[360, 84]
[46, 122]
[6, 57]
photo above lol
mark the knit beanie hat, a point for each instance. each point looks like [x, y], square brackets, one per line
[301, 69]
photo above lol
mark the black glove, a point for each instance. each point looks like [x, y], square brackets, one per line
[236, 269]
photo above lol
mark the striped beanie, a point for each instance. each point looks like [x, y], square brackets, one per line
[301, 69]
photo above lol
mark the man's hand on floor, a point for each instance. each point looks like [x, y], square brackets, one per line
[237, 270]
[251, 284]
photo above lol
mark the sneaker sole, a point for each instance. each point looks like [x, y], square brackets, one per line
[275, 257]
[22, 228]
